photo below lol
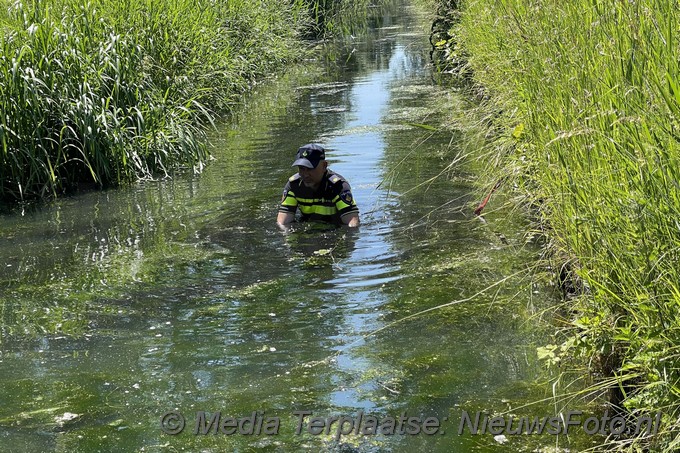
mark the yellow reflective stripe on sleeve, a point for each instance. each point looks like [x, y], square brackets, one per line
[290, 200]
[340, 205]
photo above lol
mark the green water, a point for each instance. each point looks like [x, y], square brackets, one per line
[182, 295]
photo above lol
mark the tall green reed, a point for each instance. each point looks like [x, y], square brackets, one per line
[107, 92]
[594, 87]
[338, 17]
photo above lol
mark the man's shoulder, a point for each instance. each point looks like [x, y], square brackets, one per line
[294, 180]
[340, 187]
[336, 179]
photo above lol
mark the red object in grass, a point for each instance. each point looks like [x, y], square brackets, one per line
[478, 211]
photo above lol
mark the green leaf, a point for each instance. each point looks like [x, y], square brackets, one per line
[518, 131]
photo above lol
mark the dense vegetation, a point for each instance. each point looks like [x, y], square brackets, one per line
[586, 98]
[101, 93]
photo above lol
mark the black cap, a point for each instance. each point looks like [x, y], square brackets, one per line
[309, 155]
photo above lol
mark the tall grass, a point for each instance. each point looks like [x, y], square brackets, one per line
[337, 17]
[104, 92]
[589, 98]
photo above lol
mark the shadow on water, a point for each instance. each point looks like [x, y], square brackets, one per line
[183, 295]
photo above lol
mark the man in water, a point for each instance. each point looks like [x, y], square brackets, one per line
[318, 192]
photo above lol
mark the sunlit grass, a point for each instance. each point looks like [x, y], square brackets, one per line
[591, 91]
[102, 93]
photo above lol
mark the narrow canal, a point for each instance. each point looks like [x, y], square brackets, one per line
[182, 295]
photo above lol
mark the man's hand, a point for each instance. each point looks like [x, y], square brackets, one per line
[351, 220]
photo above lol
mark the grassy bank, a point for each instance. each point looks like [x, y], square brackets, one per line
[102, 93]
[587, 102]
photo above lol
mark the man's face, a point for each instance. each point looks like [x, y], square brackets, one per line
[311, 177]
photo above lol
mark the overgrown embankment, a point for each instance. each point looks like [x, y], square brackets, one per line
[587, 97]
[101, 93]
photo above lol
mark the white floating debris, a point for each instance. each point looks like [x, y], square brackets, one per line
[272, 349]
[66, 417]
[501, 439]
[272, 314]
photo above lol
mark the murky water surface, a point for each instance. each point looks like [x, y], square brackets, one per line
[182, 295]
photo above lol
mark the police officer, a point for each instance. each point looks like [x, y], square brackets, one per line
[319, 193]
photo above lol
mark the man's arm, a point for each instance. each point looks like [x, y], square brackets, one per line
[351, 219]
[347, 206]
[284, 218]
[287, 208]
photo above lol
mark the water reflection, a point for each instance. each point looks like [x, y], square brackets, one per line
[120, 305]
